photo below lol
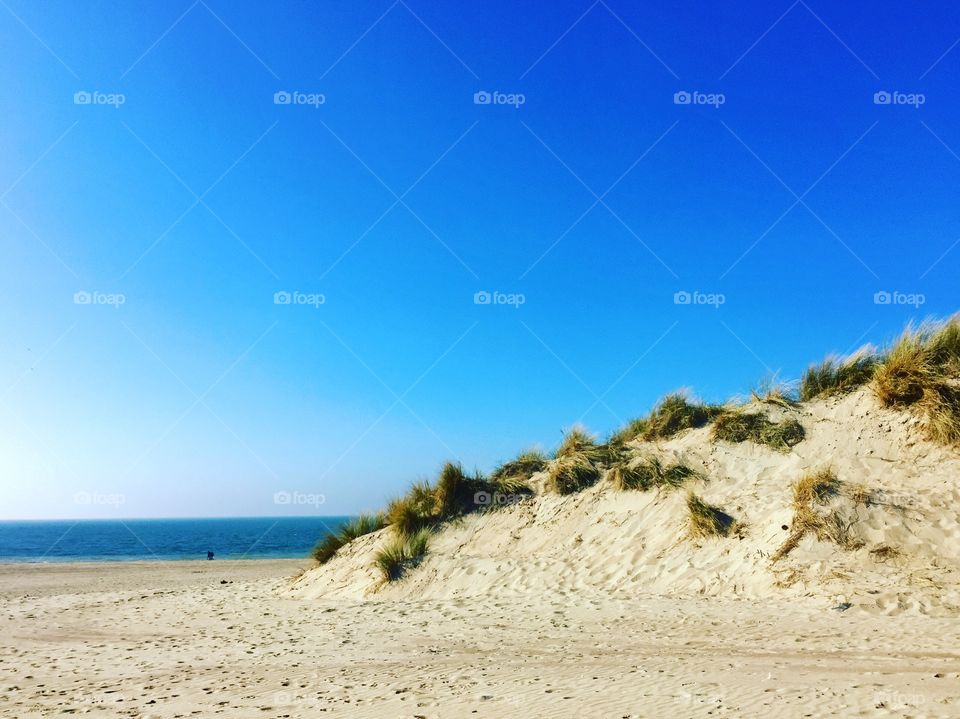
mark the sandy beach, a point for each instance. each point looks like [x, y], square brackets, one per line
[170, 639]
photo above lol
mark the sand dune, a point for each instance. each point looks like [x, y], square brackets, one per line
[621, 543]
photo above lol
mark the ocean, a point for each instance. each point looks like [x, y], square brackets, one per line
[151, 539]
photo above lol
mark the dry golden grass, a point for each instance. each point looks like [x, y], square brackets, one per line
[884, 552]
[812, 494]
[906, 369]
[861, 496]
[921, 370]
[941, 407]
[772, 390]
[816, 488]
[577, 441]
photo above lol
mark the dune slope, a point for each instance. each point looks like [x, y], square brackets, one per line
[898, 502]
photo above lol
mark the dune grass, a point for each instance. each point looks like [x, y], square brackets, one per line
[577, 441]
[402, 553]
[772, 390]
[357, 527]
[706, 520]
[921, 371]
[815, 488]
[572, 473]
[838, 375]
[737, 425]
[525, 465]
[649, 473]
[676, 413]
[778, 396]
[633, 429]
[426, 505]
[812, 494]
[941, 405]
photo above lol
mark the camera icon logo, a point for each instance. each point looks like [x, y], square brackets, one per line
[682, 98]
[482, 98]
[881, 298]
[281, 498]
[482, 498]
[282, 298]
[82, 298]
[681, 298]
[282, 98]
[882, 98]
[481, 298]
[82, 97]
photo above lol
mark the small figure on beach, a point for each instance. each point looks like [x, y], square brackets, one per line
[209, 555]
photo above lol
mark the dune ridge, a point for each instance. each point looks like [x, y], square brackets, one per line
[629, 542]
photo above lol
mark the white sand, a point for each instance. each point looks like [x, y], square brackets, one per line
[586, 606]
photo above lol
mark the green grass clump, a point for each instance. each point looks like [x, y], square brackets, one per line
[674, 414]
[838, 375]
[401, 554]
[633, 429]
[357, 527]
[706, 520]
[740, 426]
[426, 505]
[572, 473]
[649, 473]
[524, 466]
[414, 511]
[454, 492]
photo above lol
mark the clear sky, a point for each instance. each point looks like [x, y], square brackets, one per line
[149, 164]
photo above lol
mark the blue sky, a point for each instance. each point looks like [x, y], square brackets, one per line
[182, 197]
